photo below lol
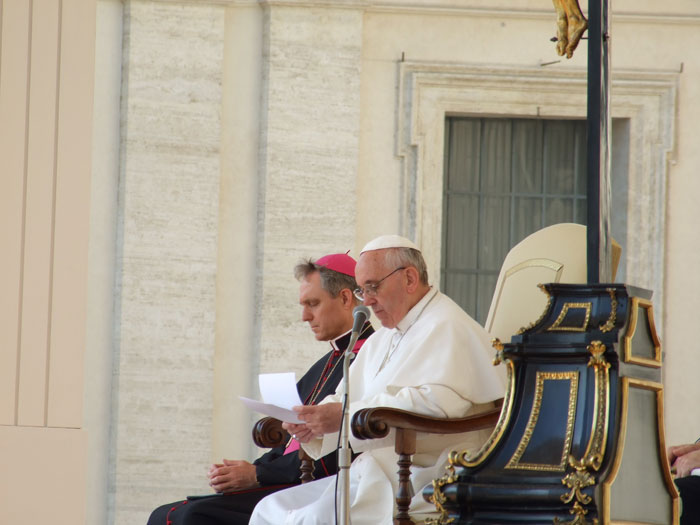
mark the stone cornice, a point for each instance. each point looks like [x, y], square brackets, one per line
[455, 7]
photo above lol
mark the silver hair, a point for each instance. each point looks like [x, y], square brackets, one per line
[398, 257]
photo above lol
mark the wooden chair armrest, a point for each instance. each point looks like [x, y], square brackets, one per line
[373, 423]
[268, 433]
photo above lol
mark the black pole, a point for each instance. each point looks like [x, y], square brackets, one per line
[598, 143]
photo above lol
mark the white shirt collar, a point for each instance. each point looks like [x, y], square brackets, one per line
[410, 318]
[334, 342]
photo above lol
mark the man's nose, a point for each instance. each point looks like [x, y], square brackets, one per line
[369, 300]
[306, 315]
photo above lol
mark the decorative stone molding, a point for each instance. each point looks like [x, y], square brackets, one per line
[430, 92]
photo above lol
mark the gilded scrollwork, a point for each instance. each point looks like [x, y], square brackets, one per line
[438, 498]
[499, 347]
[610, 323]
[582, 475]
[599, 431]
[579, 517]
[544, 312]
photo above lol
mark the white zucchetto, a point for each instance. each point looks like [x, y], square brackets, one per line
[388, 241]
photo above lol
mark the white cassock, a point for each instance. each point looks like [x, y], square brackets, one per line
[436, 362]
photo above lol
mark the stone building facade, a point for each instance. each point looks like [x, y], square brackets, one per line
[230, 138]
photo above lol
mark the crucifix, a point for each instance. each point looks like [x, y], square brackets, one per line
[571, 24]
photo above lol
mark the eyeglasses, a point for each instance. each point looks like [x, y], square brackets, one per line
[370, 290]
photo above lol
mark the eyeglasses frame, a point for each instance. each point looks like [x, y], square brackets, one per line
[372, 289]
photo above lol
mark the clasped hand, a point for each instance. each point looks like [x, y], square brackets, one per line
[684, 458]
[317, 420]
[232, 475]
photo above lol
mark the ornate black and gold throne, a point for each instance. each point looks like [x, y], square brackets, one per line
[580, 437]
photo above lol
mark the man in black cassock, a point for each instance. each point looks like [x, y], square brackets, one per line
[327, 300]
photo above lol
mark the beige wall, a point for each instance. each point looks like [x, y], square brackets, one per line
[46, 86]
[230, 138]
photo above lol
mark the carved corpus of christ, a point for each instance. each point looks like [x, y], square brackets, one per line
[571, 24]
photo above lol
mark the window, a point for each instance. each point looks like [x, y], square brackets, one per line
[504, 179]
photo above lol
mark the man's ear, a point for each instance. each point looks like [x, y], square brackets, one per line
[412, 279]
[347, 297]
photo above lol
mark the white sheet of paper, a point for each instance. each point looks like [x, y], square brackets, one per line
[279, 389]
[288, 416]
[279, 393]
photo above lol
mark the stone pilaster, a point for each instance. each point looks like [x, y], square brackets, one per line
[309, 153]
[166, 265]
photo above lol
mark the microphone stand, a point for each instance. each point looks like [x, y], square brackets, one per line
[361, 314]
[344, 454]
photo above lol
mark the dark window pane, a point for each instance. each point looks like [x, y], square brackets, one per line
[462, 290]
[580, 165]
[495, 228]
[485, 288]
[558, 210]
[495, 156]
[505, 179]
[559, 157]
[463, 155]
[462, 231]
[527, 217]
[581, 211]
[527, 156]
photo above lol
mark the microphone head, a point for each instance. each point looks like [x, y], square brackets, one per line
[360, 313]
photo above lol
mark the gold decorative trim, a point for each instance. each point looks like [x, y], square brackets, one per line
[601, 406]
[610, 323]
[628, 357]
[463, 458]
[579, 516]
[542, 315]
[582, 475]
[625, 384]
[541, 377]
[499, 346]
[556, 326]
[439, 499]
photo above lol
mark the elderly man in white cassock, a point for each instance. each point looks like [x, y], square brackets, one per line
[429, 357]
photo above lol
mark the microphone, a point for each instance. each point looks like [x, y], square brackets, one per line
[361, 314]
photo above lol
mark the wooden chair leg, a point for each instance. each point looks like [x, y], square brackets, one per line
[307, 466]
[405, 448]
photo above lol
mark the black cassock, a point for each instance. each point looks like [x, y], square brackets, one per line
[274, 470]
[689, 488]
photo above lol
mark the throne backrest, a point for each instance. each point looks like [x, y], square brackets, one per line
[555, 254]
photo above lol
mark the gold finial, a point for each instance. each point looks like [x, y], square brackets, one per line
[496, 343]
